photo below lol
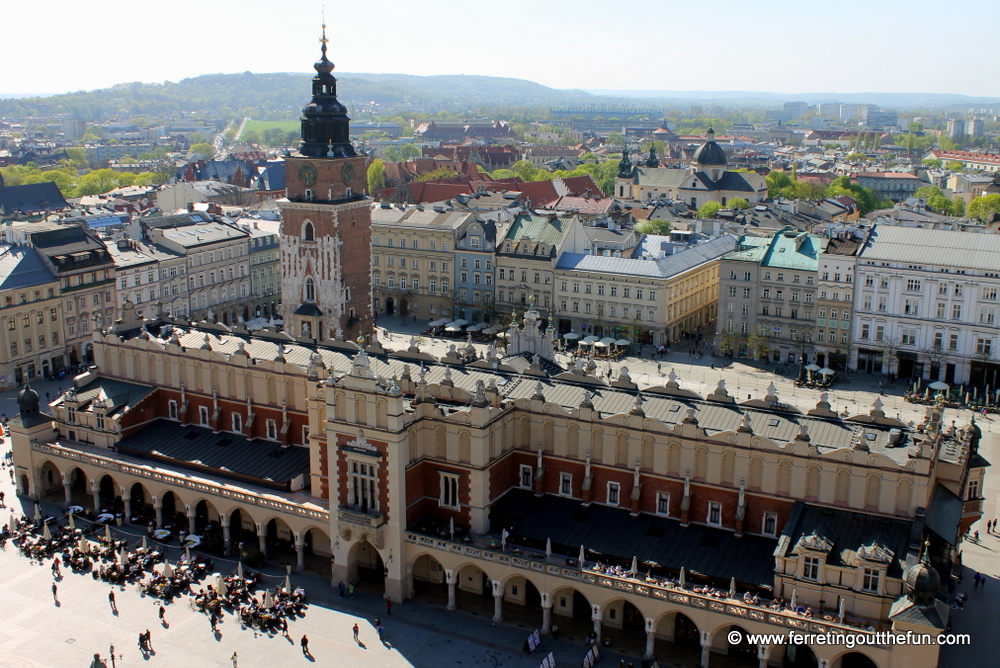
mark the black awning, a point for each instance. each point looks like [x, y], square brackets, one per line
[945, 514]
[613, 534]
[309, 310]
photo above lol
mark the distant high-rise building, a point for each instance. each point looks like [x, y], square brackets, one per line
[956, 129]
[851, 111]
[830, 110]
[879, 119]
[796, 109]
[74, 128]
[975, 127]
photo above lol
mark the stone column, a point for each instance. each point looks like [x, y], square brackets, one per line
[300, 552]
[546, 614]
[158, 506]
[190, 516]
[706, 648]
[262, 539]
[67, 489]
[650, 639]
[451, 578]
[497, 601]
[128, 505]
[224, 521]
[763, 652]
[595, 616]
[95, 490]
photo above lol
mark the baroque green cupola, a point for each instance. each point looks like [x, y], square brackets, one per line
[625, 168]
[652, 160]
[325, 124]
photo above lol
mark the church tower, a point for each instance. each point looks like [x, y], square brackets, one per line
[326, 223]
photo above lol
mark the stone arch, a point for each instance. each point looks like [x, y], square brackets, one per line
[904, 492]
[853, 659]
[205, 513]
[140, 503]
[340, 406]
[646, 453]
[756, 473]
[440, 443]
[568, 601]
[109, 493]
[597, 444]
[50, 481]
[701, 463]
[381, 413]
[548, 437]
[472, 578]
[365, 564]
[621, 450]
[519, 589]
[812, 482]
[784, 477]
[873, 491]
[741, 654]
[279, 537]
[677, 627]
[728, 468]
[79, 494]
[317, 542]
[428, 576]
[360, 410]
[243, 528]
[464, 447]
[674, 458]
[843, 491]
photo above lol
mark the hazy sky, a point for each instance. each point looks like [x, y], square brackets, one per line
[789, 46]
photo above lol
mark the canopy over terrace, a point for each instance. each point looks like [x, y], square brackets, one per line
[613, 534]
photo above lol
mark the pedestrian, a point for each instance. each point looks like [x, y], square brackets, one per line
[381, 633]
[235, 660]
[1, 500]
[149, 641]
[975, 536]
[342, 588]
[163, 612]
[142, 643]
[305, 645]
[111, 600]
[356, 631]
[350, 590]
[55, 592]
[388, 605]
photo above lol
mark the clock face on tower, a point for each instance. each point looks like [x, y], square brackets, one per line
[347, 174]
[307, 174]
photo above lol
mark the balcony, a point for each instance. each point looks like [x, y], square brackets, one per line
[354, 514]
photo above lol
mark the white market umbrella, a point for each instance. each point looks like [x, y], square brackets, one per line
[459, 323]
[268, 601]
[812, 367]
[83, 546]
[167, 570]
[46, 532]
[107, 533]
[732, 587]
[826, 372]
[488, 330]
[607, 340]
[452, 328]
[795, 599]
[682, 579]
[548, 548]
[239, 570]
[145, 543]
[222, 587]
[592, 339]
[38, 513]
[187, 553]
[623, 342]
[600, 344]
[939, 385]
[288, 583]
[572, 336]
[12, 524]
[583, 556]
[635, 566]
[72, 524]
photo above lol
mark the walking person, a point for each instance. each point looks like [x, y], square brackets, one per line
[163, 613]
[305, 645]
[55, 592]
[342, 588]
[235, 660]
[356, 631]
[388, 605]
[149, 641]
[111, 600]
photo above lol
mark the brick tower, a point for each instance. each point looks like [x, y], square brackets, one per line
[326, 223]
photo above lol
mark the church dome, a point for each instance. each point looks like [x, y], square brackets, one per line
[922, 581]
[710, 153]
[27, 400]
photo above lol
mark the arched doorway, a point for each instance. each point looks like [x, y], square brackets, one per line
[317, 550]
[171, 518]
[242, 533]
[571, 613]
[390, 306]
[429, 580]
[142, 511]
[624, 625]
[743, 653]
[365, 567]
[854, 660]
[108, 494]
[799, 656]
[280, 541]
[678, 638]
[522, 602]
[79, 494]
[50, 482]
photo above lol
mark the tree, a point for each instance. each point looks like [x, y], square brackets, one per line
[436, 175]
[759, 345]
[653, 227]
[955, 166]
[376, 177]
[614, 139]
[503, 174]
[984, 206]
[856, 157]
[729, 343]
[933, 162]
[709, 209]
[205, 149]
[98, 182]
[738, 204]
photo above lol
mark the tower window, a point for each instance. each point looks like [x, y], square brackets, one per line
[310, 290]
[308, 233]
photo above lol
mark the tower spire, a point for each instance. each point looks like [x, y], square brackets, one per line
[325, 124]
